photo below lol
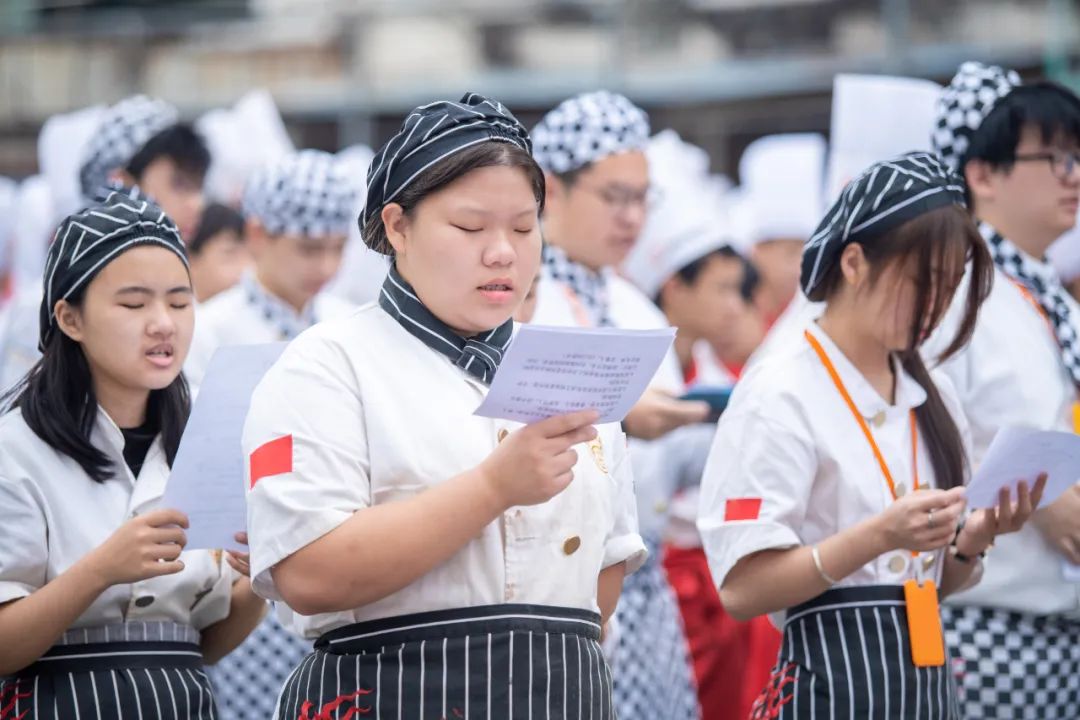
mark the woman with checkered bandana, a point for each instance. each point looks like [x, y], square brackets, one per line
[1015, 636]
[834, 490]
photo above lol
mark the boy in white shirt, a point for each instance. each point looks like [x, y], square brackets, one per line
[1014, 636]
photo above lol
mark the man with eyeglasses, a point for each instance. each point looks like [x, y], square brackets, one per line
[598, 195]
[1015, 637]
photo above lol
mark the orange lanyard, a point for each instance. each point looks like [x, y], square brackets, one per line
[862, 421]
[1035, 304]
[1049, 324]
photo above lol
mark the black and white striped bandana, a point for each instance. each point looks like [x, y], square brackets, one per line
[590, 287]
[885, 196]
[92, 238]
[1042, 281]
[479, 355]
[431, 133]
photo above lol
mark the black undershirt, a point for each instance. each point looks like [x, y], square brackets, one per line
[137, 443]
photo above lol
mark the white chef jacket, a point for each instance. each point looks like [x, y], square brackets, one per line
[1012, 374]
[19, 330]
[232, 318]
[789, 442]
[376, 416]
[54, 514]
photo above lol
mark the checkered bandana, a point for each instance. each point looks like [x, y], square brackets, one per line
[963, 106]
[308, 193]
[1041, 280]
[884, 197]
[587, 128]
[124, 130]
[591, 288]
[92, 238]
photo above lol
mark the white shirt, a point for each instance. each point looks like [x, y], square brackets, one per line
[54, 514]
[628, 309]
[19, 329]
[788, 440]
[376, 417]
[237, 317]
[1012, 374]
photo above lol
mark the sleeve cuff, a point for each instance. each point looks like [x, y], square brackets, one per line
[727, 545]
[265, 555]
[11, 590]
[629, 548]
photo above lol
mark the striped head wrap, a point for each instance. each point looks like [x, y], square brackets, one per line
[92, 238]
[431, 133]
[884, 197]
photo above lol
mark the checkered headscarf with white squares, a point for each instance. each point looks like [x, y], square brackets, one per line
[308, 193]
[124, 130]
[963, 106]
[587, 128]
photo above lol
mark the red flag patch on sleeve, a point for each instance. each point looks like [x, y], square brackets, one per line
[272, 458]
[742, 509]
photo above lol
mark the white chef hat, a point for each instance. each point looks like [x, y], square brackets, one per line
[61, 144]
[783, 178]
[688, 220]
[242, 139]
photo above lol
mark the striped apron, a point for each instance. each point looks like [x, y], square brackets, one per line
[847, 654]
[97, 674]
[499, 661]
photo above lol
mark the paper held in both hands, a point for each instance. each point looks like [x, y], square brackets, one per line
[207, 478]
[556, 370]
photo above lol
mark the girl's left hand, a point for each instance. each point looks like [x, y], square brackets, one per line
[240, 561]
[984, 525]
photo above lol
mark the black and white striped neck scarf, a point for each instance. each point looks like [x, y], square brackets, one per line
[1042, 281]
[590, 287]
[478, 355]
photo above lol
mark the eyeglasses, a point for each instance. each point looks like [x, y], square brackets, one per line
[1062, 164]
[621, 199]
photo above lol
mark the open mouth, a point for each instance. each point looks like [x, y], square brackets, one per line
[160, 355]
[496, 287]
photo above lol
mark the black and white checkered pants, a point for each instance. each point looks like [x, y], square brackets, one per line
[1014, 666]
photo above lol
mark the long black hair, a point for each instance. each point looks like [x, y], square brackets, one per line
[57, 402]
[941, 242]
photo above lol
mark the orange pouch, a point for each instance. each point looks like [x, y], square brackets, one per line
[924, 624]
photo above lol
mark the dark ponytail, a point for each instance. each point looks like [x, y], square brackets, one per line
[942, 242]
[57, 402]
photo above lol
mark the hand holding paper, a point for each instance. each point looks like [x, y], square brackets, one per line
[555, 370]
[1024, 454]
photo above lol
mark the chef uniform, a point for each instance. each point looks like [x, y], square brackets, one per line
[794, 462]
[377, 407]
[135, 651]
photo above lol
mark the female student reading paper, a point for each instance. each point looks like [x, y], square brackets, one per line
[839, 502]
[444, 564]
[102, 613]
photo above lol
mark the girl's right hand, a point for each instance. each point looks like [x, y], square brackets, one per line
[908, 523]
[535, 463]
[144, 547]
